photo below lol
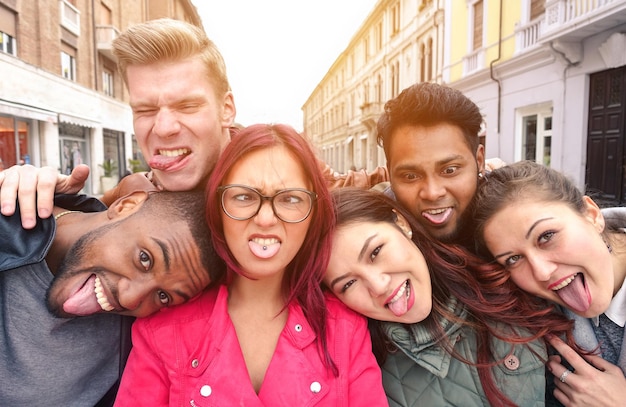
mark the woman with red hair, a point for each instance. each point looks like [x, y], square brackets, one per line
[267, 335]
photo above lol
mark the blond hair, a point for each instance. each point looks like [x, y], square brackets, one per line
[166, 39]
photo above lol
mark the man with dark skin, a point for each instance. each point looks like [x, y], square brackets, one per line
[66, 285]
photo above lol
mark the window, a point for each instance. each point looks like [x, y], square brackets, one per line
[7, 31]
[68, 66]
[107, 82]
[535, 133]
[477, 14]
[537, 8]
[395, 18]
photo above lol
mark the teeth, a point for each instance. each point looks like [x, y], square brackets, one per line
[564, 283]
[174, 153]
[102, 299]
[436, 211]
[265, 242]
[400, 292]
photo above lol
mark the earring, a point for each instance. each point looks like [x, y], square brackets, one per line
[409, 233]
[608, 245]
[480, 175]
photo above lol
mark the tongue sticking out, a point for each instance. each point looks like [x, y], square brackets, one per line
[263, 251]
[161, 162]
[84, 301]
[576, 295]
[439, 217]
[400, 306]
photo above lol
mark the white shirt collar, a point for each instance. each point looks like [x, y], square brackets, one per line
[617, 309]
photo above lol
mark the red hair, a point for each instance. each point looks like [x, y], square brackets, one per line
[302, 280]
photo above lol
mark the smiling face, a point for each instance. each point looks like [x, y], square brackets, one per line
[378, 272]
[181, 124]
[555, 253]
[134, 267]
[264, 245]
[434, 175]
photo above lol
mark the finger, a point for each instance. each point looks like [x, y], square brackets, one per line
[561, 397]
[46, 182]
[569, 354]
[27, 196]
[8, 191]
[75, 182]
[599, 363]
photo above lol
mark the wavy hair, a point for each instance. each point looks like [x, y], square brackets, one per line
[454, 271]
[302, 280]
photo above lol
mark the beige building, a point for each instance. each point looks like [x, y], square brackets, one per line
[399, 43]
[62, 101]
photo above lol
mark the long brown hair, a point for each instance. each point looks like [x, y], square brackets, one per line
[456, 272]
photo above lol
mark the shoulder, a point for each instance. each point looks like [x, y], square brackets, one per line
[197, 309]
[343, 318]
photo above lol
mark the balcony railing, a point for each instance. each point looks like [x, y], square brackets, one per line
[474, 61]
[526, 36]
[563, 12]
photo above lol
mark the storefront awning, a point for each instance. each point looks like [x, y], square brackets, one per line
[79, 121]
[28, 112]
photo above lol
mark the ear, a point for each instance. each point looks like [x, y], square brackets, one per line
[593, 214]
[228, 110]
[403, 224]
[480, 158]
[127, 204]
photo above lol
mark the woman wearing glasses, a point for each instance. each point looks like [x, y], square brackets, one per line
[267, 335]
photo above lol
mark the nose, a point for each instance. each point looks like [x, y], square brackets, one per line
[431, 189]
[133, 292]
[265, 216]
[542, 267]
[166, 123]
[378, 284]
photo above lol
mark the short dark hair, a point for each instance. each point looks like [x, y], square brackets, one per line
[429, 104]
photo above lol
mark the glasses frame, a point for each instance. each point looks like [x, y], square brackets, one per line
[264, 198]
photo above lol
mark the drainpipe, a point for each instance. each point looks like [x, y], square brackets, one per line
[491, 74]
[95, 45]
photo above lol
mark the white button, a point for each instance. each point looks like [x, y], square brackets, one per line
[316, 387]
[298, 328]
[205, 391]
[194, 363]
[511, 362]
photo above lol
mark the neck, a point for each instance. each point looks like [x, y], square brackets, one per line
[71, 225]
[264, 294]
[619, 259]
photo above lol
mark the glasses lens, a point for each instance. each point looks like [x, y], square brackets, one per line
[292, 205]
[240, 203]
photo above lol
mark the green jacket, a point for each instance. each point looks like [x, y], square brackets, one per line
[423, 373]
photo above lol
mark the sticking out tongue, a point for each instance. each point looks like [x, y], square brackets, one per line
[576, 295]
[400, 306]
[161, 162]
[83, 302]
[264, 251]
[438, 218]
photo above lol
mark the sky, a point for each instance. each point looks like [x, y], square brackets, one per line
[277, 51]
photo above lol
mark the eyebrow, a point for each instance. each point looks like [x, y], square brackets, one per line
[360, 257]
[166, 254]
[438, 163]
[530, 230]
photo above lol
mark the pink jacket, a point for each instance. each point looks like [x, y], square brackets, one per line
[189, 356]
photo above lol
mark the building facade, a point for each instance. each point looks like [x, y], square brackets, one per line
[62, 101]
[399, 43]
[550, 79]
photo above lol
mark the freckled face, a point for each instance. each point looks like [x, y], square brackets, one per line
[434, 175]
[554, 253]
[133, 270]
[268, 170]
[377, 271]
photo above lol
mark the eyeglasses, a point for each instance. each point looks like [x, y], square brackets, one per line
[291, 205]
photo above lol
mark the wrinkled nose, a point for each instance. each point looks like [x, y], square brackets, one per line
[132, 294]
[265, 216]
[166, 123]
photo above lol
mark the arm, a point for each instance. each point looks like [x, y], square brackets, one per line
[594, 381]
[145, 380]
[34, 189]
